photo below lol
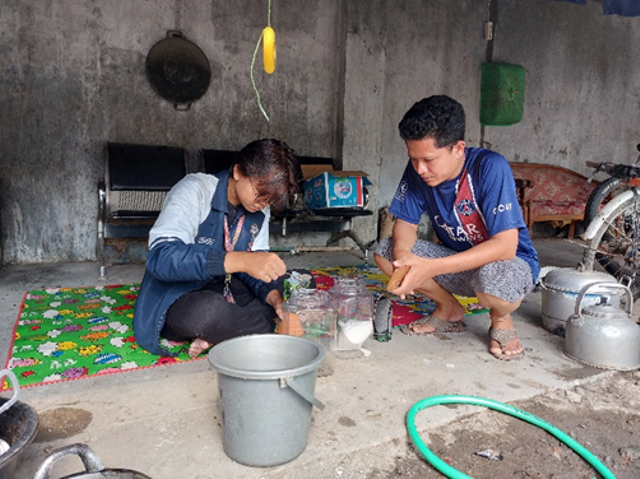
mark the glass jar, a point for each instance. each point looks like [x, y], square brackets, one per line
[310, 314]
[354, 306]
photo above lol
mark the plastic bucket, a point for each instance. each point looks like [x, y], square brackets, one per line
[266, 385]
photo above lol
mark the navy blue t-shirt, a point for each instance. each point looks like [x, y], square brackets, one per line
[495, 199]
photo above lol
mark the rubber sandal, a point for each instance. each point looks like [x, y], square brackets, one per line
[502, 337]
[439, 325]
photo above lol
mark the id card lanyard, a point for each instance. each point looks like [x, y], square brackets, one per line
[230, 243]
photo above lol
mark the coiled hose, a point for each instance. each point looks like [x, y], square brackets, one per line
[453, 473]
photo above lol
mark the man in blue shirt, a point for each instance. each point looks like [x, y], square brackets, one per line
[483, 249]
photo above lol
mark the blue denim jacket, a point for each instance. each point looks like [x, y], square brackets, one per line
[186, 250]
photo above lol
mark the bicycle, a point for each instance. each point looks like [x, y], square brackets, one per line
[613, 224]
[620, 175]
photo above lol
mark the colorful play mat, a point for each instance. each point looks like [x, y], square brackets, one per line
[63, 334]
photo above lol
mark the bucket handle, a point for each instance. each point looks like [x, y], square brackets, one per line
[306, 395]
[91, 461]
[16, 389]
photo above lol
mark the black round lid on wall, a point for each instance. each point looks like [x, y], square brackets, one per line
[178, 70]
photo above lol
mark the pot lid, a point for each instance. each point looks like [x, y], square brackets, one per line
[178, 70]
[572, 280]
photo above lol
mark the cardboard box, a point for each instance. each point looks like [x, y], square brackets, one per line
[327, 188]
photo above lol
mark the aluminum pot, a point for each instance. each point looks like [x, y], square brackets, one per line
[560, 288]
[92, 463]
[602, 335]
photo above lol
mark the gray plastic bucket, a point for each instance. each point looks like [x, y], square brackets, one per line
[266, 385]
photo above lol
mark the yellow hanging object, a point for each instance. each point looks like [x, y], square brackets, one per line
[269, 49]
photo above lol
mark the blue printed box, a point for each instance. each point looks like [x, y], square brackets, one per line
[336, 189]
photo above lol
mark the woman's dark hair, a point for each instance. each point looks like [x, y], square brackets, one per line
[439, 117]
[274, 168]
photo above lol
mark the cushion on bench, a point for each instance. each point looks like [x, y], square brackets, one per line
[552, 193]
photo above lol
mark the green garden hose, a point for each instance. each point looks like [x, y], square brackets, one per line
[453, 473]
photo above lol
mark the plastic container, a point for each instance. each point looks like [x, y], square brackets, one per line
[266, 385]
[310, 314]
[354, 306]
[501, 94]
[382, 317]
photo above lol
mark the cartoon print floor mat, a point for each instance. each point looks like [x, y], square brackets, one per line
[64, 334]
[70, 333]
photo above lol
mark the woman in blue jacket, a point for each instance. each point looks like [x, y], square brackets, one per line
[209, 276]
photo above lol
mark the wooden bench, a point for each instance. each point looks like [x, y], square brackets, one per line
[136, 181]
[551, 193]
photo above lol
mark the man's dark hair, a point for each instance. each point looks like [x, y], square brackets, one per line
[439, 117]
[274, 168]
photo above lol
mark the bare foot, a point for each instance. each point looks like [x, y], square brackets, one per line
[197, 347]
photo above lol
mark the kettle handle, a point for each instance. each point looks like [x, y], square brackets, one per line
[603, 284]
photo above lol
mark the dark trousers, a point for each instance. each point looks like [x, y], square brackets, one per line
[206, 314]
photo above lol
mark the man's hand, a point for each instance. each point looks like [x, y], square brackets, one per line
[420, 271]
[263, 266]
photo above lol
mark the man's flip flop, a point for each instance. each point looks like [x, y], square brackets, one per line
[439, 325]
[503, 337]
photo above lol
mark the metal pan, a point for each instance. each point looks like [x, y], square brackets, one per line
[178, 70]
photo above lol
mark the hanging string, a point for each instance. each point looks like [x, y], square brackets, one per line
[253, 81]
[269, 13]
[253, 61]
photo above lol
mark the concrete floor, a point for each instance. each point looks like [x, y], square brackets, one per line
[164, 421]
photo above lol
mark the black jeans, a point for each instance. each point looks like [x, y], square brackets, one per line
[206, 314]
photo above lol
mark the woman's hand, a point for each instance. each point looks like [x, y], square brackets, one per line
[275, 300]
[264, 266]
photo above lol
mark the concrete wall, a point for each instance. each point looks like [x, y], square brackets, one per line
[73, 77]
[582, 99]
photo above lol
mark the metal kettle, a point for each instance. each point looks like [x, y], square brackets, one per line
[602, 335]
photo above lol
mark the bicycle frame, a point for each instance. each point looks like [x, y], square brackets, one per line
[601, 218]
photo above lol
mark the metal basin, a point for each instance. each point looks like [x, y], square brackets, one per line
[94, 469]
[18, 427]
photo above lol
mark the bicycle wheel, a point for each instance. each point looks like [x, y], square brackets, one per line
[601, 195]
[613, 240]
